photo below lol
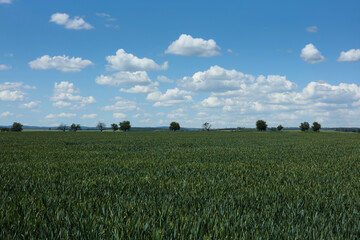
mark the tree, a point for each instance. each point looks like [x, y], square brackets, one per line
[16, 127]
[316, 126]
[174, 126]
[279, 128]
[261, 125]
[359, 130]
[101, 126]
[304, 126]
[62, 127]
[125, 126]
[74, 127]
[114, 127]
[207, 126]
[5, 129]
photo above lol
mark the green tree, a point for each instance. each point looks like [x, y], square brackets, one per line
[280, 127]
[74, 127]
[304, 126]
[206, 126]
[16, 127]
[316, 126]
[174, 126]
[114, 127]
[101, 126]
[261, 125]
[62, 127]
[125, 126]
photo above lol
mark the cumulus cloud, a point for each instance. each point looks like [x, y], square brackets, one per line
[12, 91]
[61, 63]
[142, 89]
[6, 114]
[65, 96]
[186, 45]
[60, 115]
[121, 105]
[312, 29]
[75, 23]
[119, 115]
[124, 79]
[31, 104]
[4, 67]
[352, 55]
[165, 79]
[89, 116]
[123, 61]
[169, 98]
[311, 54]
[216, 79]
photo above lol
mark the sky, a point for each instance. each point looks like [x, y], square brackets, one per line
[229, 63]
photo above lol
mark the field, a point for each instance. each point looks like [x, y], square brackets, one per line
[180, 185]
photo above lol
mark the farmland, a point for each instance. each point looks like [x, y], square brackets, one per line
[191, 185]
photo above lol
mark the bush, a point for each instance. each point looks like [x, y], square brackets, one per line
[16, 127]
[114, 127]
[279, 128]
[261, 125]
[5, 129]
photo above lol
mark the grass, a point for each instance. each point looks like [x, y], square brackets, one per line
[179, 185]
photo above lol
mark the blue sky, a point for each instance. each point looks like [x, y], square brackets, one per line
[152, 62]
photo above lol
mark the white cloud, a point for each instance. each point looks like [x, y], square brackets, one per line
[311, 54]
[11, 91]
[186, 45]
[142, 89]
[211, 102]
[60, 115]
[119, 115]
[121, 105]
[5, 1]
[6, 114]
[124, 79]
[216, 79]
[103, 15]
[123, 61]
[65, 96]
[312, 29]
[61, 63]
[352, 55]
[4, 67]
[76, 23]
[31, 104]
[164, 79]
[89, 116]
[169, 98]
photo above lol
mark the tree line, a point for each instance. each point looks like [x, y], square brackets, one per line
[125, 126]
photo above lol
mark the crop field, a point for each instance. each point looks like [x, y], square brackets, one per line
[179, 185]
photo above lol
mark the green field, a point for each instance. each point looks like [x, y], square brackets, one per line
[179, 185]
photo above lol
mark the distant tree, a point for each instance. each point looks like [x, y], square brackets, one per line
[206, 126]
[273, 129]
[316, 126]
[16, 127]
[74, 127]
[62, 127]
[279, 128]
[174, 126]
[261, 125]
[5, 129]
[304, 126]
[101, 126]
[125, 126]
[358, 130]
[114, 127]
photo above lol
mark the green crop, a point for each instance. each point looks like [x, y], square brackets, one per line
[179, 185]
